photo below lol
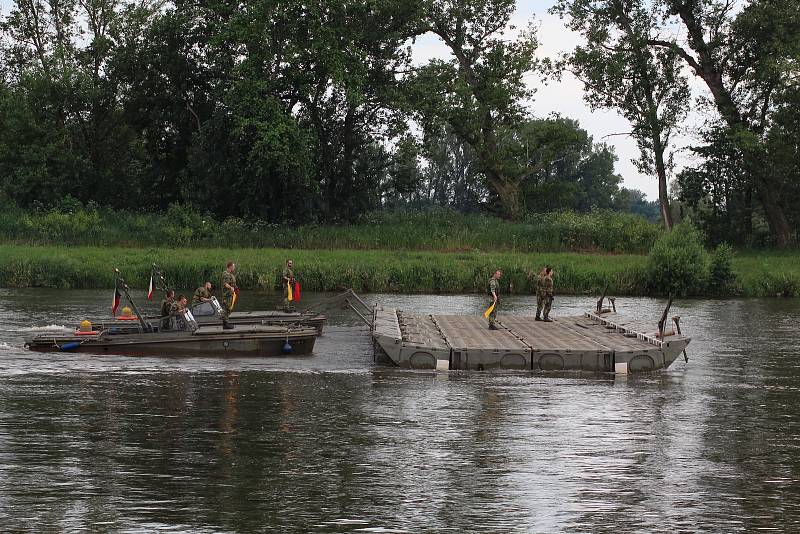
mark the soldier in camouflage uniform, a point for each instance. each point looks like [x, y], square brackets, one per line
[228, 290]
[288, 282]
[548, 294]
[540, 292]
[202, 294]
[179, 305]
[167, 302]
[494, 292]
[173, 308]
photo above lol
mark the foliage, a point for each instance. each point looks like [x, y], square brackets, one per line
[438, 229]
[478, 94]
[678, 263]
[620, 71]
[722, 279]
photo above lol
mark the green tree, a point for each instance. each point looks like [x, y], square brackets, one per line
[745, 57]
[619, 71]
[479, 93]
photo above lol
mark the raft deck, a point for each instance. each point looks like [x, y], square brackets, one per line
[592, 342]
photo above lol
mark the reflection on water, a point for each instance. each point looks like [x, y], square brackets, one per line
[335, 442]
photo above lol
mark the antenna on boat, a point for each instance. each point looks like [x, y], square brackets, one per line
[162, 280]
[121, 284]
[663, 320]
[677, 320]
[602, 298]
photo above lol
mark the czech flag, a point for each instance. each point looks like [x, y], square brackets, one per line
[150, 288]
[117, 297]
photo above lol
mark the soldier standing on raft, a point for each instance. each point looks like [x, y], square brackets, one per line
[494, 292]
[540, 292]
[228, 291]
[548, 294]
[288, 285]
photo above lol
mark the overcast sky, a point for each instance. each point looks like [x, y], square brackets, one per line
[565, 97]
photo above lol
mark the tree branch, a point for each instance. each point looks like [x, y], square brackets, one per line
[681, 52]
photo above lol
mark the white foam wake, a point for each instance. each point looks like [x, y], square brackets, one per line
[48, 328]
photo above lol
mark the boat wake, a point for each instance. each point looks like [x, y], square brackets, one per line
[48, 328]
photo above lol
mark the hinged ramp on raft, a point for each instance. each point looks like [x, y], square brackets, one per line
[582, 343]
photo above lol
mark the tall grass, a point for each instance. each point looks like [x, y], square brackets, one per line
[367, 271]
[758, 274]
[436, 230]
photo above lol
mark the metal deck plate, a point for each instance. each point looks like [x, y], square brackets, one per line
[474, 346]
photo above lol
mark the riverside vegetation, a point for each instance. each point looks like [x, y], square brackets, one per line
[441, 252]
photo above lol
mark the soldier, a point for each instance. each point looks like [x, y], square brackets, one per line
[179, 305]
[167, 302]
[494, 292]
[202, 294]
[228, 290]
[540, 292]
[288, 285]
[548, 294]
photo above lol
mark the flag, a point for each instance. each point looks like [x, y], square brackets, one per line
[150, 288]
[235, 298]
[117, 296]
[488, 311]
[296, 294]
[289, 295]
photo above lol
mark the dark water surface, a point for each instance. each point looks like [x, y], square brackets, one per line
[335, 442]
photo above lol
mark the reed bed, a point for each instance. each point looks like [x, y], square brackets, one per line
[761, 274]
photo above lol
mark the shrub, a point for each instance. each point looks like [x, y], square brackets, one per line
[678, 263]
[722, 279]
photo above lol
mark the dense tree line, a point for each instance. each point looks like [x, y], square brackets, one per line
[746, 56]
[290, 110]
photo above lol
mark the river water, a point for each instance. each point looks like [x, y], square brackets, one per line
[336, 442]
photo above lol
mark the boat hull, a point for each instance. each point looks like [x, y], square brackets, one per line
[205, 342]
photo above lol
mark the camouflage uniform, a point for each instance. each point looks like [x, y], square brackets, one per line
[493, 288]
[539, 295]
[200, 293]
[176, 308]
[165, 307]
[288, 274]
[548, 296]
[227, 294]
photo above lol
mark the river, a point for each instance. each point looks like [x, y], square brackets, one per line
[336, 442]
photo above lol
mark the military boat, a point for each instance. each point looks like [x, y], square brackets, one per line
[178, 334]
[204, 341]
[597, 341]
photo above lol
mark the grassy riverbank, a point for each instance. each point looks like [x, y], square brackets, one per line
[434, 230]
[758, 274]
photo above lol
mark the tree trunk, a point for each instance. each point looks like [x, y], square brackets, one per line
[508, 193]
[663, 196]
[776, 218]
